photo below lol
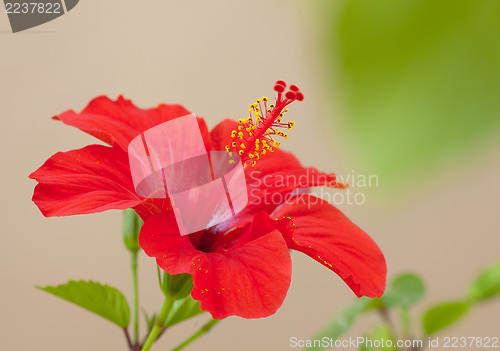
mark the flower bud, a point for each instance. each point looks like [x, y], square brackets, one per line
[177, 286]
[132, 224]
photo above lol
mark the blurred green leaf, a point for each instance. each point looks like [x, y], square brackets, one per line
[404, 291]
[365, 346]
[103, 300]
[421, 79]
[443, 315]
[183, 309]
[383, 332]
[486, 285]
[405, 321]
[342, 321]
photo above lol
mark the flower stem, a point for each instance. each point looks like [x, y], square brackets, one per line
[203, 330]
[133, 255]
[129, 342]
[159, 324]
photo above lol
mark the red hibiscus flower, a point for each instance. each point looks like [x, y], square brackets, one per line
[241, 266]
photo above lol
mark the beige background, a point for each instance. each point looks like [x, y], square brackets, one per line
[214, 57]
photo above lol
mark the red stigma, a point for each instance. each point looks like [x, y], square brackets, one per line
[279, 88]
[294, 88]
[290, 95]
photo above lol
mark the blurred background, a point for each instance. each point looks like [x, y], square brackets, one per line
[405, 90]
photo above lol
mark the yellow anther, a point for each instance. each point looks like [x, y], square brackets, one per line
[265, 98]
[250, 155]
[285, 110]
[254, 163]
[227, 148]
[244, 165]
[233, 144]
[240, 152]
[240, 127]
[243, 146]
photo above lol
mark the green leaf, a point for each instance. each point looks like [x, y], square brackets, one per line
[383, 332]
[443, 315]
[365, 346]
[404, 291]
[183, 309]
[420, 79]
[405, 317]
[486, 285]
[342, 321]
[103, 300]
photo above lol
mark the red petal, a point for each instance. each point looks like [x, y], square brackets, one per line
[328, 236]
[120, 121]
[249, 281]
[92, 179]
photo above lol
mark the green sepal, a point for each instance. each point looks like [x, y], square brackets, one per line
[183, 309]
[104, 300]
[150, 321]
[176, 286]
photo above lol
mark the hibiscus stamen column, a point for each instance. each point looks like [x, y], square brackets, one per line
[255, 135]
